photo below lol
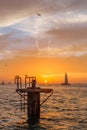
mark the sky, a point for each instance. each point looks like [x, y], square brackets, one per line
[43, 38]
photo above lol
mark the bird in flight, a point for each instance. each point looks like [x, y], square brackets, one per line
[38, 14]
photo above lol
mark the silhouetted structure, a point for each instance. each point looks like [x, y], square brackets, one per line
[38, 14]
[65, 80]
[2, 83]
[30, 97]
[9, 82]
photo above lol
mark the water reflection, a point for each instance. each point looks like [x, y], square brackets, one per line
[65, 110]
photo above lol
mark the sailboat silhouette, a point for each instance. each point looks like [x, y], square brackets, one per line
[65, 80]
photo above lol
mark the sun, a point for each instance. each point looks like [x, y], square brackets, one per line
[45, 81]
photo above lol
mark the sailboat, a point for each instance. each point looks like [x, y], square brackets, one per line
[65, 80]
[2, 83]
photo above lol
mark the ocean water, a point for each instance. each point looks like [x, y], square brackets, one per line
[66, 109]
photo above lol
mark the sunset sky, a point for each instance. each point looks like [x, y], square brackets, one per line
[43, 38]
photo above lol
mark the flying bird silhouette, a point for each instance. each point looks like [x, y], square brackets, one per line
[38, 14]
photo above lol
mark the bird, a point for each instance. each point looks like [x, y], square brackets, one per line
[38, 14]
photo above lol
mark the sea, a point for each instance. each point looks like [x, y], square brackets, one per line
[66, 109]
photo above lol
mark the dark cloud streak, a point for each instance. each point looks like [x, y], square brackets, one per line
[31, 7]
[64, 33]
[76, 33]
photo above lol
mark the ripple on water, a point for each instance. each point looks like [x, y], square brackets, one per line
[65, 110]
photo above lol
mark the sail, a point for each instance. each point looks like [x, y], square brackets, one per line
[66, 80]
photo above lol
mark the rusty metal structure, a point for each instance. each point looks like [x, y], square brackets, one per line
[30, 97]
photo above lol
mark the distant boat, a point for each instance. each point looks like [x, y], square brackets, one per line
[2, 83]
[9, 82]
[65, 80]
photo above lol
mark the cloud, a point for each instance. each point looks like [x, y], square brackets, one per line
[70, 34]
[23, 32]
[12, 12]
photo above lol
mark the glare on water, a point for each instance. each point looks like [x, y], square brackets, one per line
[66, 109]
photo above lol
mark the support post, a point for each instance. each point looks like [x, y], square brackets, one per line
[33, 104]
[33, 107]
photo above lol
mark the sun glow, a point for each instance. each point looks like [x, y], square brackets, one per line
[45, 81]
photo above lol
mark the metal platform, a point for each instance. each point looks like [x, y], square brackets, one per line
[30, 97]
